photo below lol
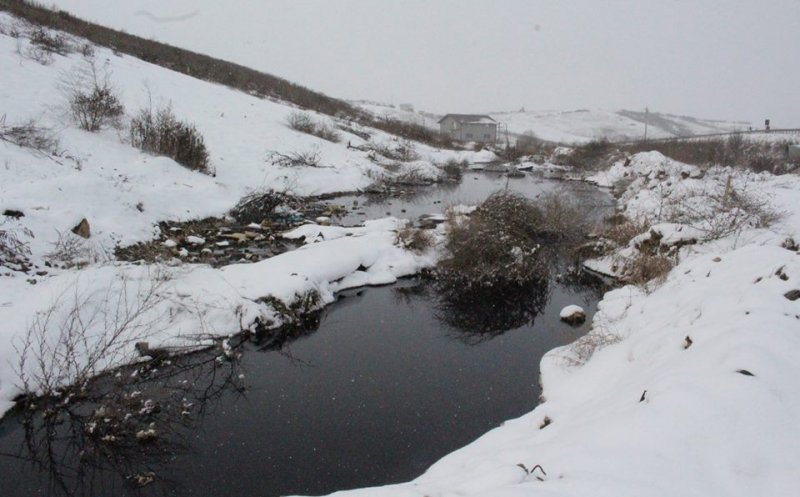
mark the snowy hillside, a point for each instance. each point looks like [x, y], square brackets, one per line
[123, 193]
[586, 125]
[102, 178]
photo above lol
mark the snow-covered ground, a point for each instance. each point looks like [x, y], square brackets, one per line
[687, 388]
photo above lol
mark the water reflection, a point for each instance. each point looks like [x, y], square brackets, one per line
[477, 316]
[125, 432]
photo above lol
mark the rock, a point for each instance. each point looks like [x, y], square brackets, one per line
[573, 314]
[170, 243]
[82, 229]
[792, 294]
[323, 221]
[195, 240]
[237, 237]
[13, 213]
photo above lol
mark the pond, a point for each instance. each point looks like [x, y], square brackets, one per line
[373, 391]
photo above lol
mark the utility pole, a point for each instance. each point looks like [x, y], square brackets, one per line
[646, 119]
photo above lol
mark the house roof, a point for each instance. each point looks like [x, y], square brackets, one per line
[469, 118]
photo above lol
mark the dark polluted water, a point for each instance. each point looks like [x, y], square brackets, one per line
[373, 391]
[392, 380]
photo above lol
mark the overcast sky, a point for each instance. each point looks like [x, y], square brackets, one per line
[725, 59]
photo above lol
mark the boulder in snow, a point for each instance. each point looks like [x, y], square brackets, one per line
[82, 229]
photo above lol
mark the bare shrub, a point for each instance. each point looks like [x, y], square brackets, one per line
[44, 45]
[306, 158]
[83, 332]
[14, 251]
[300, 312]
[302, 122]
[581, 350]
[161, 132]
[54, 43]
[621, 230]
[364, 135]
[499, 244]
[595, 154]
[70, 251]
[29, 135]
[645, 268]
[403, 151]
[414, 176]
[92, 100]
[453, 169]
[258, 205]
[563, 220]
[725, 210]
[414, 239]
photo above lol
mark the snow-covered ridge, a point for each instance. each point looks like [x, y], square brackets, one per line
[689, 388]
[578, 126]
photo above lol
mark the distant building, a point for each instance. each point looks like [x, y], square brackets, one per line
[469, 127]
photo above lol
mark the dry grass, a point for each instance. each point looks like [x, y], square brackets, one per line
[414, 239]
[621, 230]
[646, 268]
[160, 132]
[302, 122]
[29, 135]
[735, 150]
[581, 350]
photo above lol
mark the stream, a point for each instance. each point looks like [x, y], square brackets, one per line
[372, 391]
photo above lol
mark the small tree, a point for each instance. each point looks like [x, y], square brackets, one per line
[91, 97]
